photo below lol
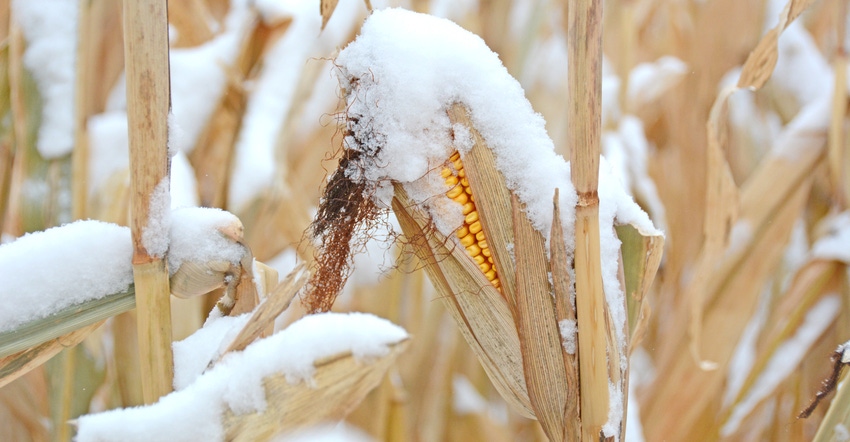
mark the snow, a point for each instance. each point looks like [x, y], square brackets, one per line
[627, 149]
[465, 397]
[611, 428]
[845, 355]
[617, 207]
[408, 133]
[740, 235]
[47, 271]
[196, 237]
[198, 80]
[649, 81]
[199, 76]
[341, 432]
[800, 69]
[453, 9]
[836, 245]
[272, 94]
[568, 329]
[785, 359]
[109, 148]
[745, 351]
[109, 154]
[807, 127]
[634, 426]
[284, 262]
[184, 187]
[236, 382]
[194, 354]
[401, 75]
[842, 434]
[549, 67]
[155, 234]
[176, 136]
[50, 29]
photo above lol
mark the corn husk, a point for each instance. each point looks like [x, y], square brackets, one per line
[338, 385]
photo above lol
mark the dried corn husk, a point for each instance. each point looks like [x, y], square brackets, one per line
[339, 384]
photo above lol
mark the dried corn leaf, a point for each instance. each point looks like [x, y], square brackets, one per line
[795, 155]
[40, 331]
[265, 314]
[327, 7]
[837, 416]
[721, 188]
[731, 295]
[481, 313]
[537, 325]
[565, 311]
[191, 20]
[641, 259]
[16, 365]
[247, 296]
[759, 65]
[807, 288]
[338, 385]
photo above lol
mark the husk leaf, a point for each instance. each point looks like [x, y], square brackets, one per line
[539, 336]
[338, 385]
[480, 311]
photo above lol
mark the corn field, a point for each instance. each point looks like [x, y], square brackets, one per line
[725, 120]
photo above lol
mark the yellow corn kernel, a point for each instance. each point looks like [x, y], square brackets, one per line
[467, 241]
[454, 192]
[463, 231]
[471, 234]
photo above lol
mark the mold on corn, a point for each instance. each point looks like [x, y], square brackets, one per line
[470, 234]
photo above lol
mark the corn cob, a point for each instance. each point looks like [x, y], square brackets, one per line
[471, 234]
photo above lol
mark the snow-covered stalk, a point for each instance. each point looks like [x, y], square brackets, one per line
[148, 105]
[596, 350]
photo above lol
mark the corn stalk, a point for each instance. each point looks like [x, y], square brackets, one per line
[148, 105]
[584, 120]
